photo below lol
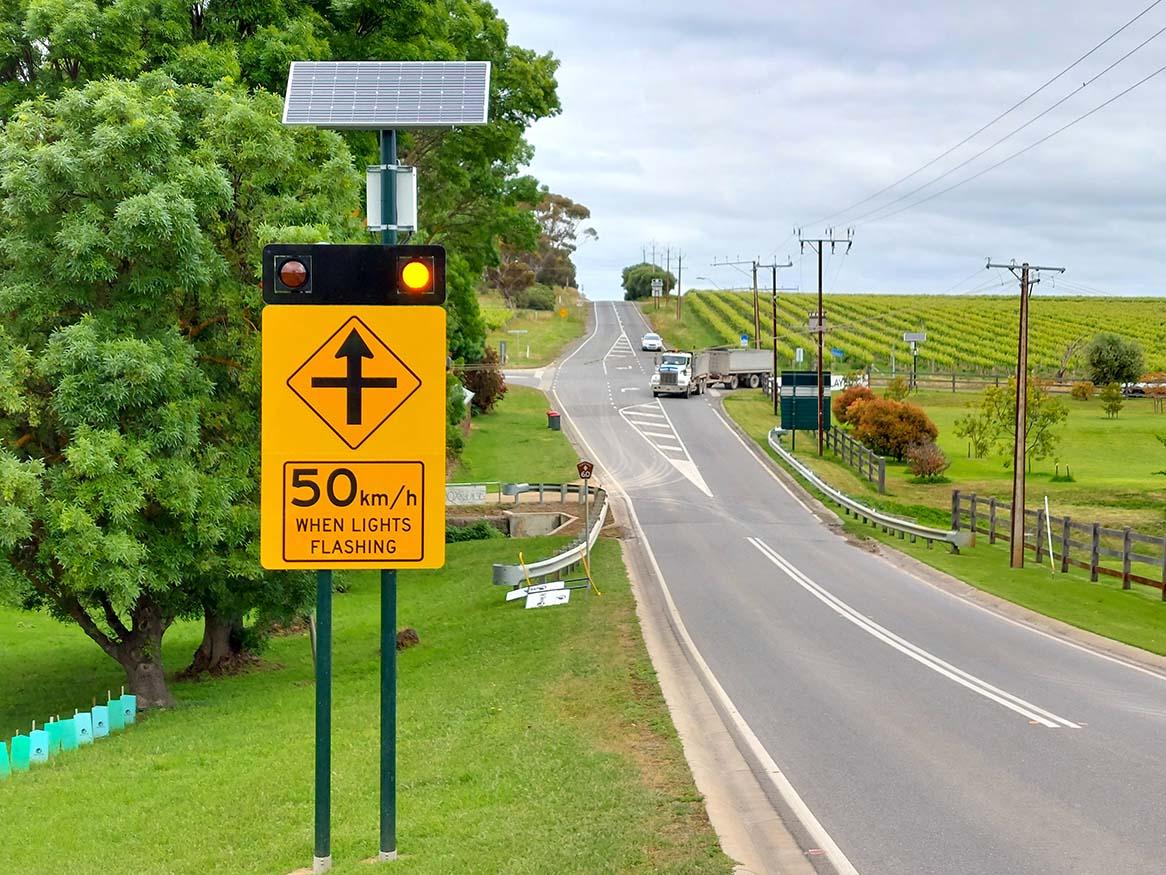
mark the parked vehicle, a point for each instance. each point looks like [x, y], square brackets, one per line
[732, 367]
[681, 373]
[652, 342]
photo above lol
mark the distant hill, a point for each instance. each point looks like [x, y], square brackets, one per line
[963, 332]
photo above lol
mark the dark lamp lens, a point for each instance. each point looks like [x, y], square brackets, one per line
[293, 274]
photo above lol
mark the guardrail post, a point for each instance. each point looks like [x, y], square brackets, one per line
[563, 493]
[955, 510]
[541, 488]
[1095, 552]
[1126, 547]
[991, 520]
[1065, 530]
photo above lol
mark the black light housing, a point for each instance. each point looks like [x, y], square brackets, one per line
[348, 274]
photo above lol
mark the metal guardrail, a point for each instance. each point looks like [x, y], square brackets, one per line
[514, 575]
[904, 528]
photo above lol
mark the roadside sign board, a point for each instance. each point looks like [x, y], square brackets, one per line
[799, 355]
[657, 288]
[915, 336]
[799, 400]
[744, 340]
[585, 468]
[353, 437]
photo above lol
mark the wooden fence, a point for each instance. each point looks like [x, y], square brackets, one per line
[960, 381]
[869, 465]
[1093, 543]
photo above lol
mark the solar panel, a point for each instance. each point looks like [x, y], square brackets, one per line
[371, 95]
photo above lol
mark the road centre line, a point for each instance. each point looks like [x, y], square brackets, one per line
[975, 684]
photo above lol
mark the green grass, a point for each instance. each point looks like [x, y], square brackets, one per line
[513, 444]
[530, 741]
[1136, 616]
[1113, 463]
[546, 332]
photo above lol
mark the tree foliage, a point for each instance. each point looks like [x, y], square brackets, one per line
[1112, 400]
[1044, 414]
[132, 223]
[927, 461]
[487, 382]
[1113, 359]
[549, 261]
[637, 280]
[842, 403]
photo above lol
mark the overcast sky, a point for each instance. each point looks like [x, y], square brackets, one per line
[719, 127]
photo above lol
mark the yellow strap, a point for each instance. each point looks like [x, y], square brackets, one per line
[525, 573]
[587, 568]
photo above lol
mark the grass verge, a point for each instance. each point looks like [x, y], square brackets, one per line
[544, 333]
[681, 333]
[513, 444]
[1136, 616]
[529, 742]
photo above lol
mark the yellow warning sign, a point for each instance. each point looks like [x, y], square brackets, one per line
[353, 437]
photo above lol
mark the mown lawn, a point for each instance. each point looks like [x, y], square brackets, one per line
[530, 741]
[512, 444]
[1136, 616]
[541, 334]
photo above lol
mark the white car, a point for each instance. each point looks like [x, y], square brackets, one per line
[652, 343]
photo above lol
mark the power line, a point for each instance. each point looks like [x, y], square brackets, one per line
[985, 127]
[1017, 154]
[1011, 133]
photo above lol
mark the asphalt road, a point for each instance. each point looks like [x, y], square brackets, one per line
[925, 734]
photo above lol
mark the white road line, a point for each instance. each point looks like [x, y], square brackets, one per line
[632, 412]
[667, 447]
[924, 657]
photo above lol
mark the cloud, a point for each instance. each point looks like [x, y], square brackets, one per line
[718, 128]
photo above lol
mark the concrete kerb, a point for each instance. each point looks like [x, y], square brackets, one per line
[1098, 645]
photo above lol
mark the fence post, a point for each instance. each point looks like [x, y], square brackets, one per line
[1164, 569]
[1126, 547]
[1095, 554]
[955, 510]
[953, 382]
[973, 525]
[991, 520]
[1040, 526]
[1065, 530]
[883, 479]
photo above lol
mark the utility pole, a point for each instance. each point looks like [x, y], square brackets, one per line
[818, 244]
[1020, 438]
[756, 308]
[668, 261]
[654, 253]
[773, 385]
[679, 277]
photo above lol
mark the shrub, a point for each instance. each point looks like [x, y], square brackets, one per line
[1083, 390]
[841, 403]
[897, 389]
[1112, 400]
[479, 531]
[536, 297]
[979, 430]
[487, 382]
[927, 461]
[890, 427]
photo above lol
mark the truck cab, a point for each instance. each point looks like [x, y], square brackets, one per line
[679, 373]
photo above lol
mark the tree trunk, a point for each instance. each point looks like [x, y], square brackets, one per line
[140, 654]
[222, 642]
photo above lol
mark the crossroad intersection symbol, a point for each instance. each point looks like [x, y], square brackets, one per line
[354, 382]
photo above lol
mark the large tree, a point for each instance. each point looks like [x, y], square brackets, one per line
[128, 432]
[637, 280]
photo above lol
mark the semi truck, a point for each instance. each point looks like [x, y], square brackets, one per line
[681, 373]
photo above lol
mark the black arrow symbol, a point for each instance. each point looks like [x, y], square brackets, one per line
[356, 351]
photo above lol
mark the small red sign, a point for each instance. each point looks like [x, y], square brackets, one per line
[585, 468]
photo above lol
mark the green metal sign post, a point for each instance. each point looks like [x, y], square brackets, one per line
[322, 853]
[388, 838]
